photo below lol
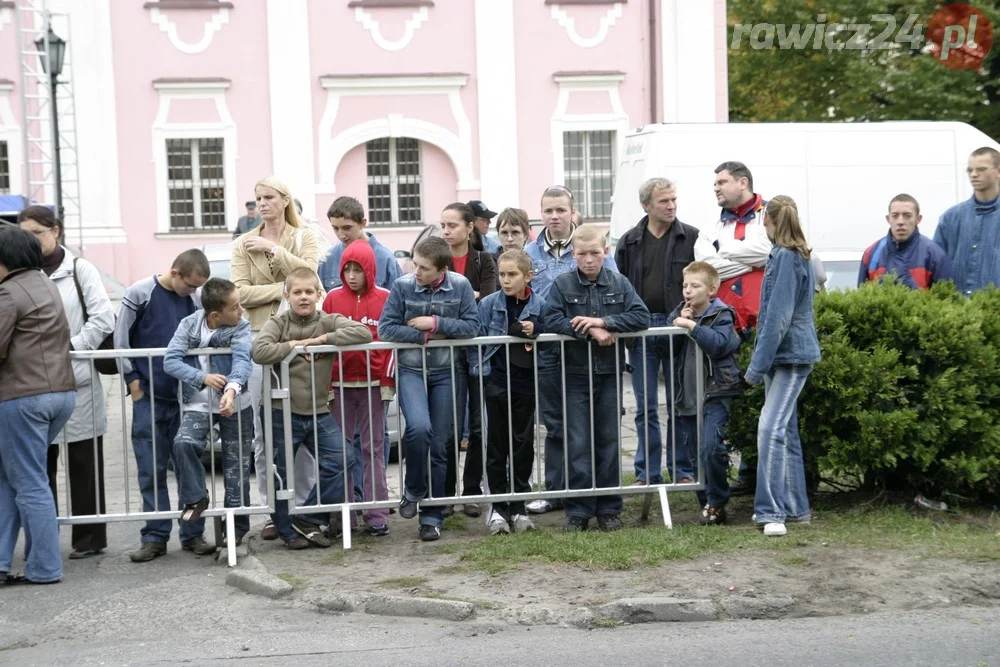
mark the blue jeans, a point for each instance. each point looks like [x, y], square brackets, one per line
[781, 478]
[327, 447]
[647, 364]
[237, 450]
[30, 424]
[427, 409]
[714, 454]
[152, 466]
[596, 466]
[550, 407]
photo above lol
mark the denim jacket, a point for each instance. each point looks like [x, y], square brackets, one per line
[610, 297]
[236, 366]
[493, 322]
[547, 268]
[786, 329]
[454, 306]
[715, 335]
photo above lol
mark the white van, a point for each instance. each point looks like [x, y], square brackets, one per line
[841, 175]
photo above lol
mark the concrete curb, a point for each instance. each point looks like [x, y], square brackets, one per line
[399, 605]
[752, 607]
[656, 610]
[252, 577]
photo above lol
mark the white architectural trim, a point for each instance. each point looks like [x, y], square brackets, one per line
[458, 146]
[293, 144]
[6, 16]
[372, 26]
[212, 25]
[563, 121]
[688, 58]
[162, 130]
[496, 80]
[564, 20]
[10, 132]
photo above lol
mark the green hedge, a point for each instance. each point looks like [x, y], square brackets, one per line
[907, 396]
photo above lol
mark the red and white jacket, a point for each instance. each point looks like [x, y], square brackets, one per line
[365, 308]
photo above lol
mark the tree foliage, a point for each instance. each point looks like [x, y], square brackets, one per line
[902, 82]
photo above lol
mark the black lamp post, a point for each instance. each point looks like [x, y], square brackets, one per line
[52, 51]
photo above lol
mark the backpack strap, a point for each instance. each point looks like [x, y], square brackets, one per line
[79, 292]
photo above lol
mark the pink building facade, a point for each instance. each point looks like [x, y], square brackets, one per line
[182, 105]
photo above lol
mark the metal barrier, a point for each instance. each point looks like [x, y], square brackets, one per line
[349, 504]
[277, 400]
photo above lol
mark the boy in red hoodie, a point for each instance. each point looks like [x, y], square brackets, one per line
[360, 386]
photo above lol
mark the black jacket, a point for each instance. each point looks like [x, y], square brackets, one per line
[680, 253]
[481, 270]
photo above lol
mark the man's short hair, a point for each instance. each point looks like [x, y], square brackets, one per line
[515, 217]
[519, 257]
[190, 262]
[435, 249]
[992, 153]
[647, 188]
[737, 170]
[19, 249]
[302, 273]
[348, 208]
[903, 197]
[214, 294]
[589, 234]
[706, 270]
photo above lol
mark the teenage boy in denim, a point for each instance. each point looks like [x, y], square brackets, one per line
[509, 388]
[551, 256]
[213, 392]
[591, 304]
[711, 332]
[301, 326]
[432, 303]
[151, 310]
[347, 218]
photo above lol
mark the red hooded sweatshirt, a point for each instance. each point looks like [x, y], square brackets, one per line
[365, 308]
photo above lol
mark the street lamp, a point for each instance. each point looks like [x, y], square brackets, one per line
[51, 51]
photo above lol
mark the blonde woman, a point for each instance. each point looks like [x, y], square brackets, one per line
[262, 258]
[783, 356]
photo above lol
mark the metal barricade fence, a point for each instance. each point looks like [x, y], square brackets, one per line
[662, 339]
[123, 506]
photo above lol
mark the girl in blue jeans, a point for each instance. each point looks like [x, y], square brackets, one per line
[785, 351]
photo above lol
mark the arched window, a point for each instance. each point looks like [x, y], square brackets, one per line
[394, 181]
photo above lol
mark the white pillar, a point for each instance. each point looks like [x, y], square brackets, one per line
[688, 52]
[290, 86]
[496, 86]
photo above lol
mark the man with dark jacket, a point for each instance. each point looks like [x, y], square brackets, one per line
[652, 256]
[915, 260]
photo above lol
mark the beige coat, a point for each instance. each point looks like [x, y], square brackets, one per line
[261, 287]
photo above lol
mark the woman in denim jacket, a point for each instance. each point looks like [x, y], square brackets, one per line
[432, 303]
[785, 351]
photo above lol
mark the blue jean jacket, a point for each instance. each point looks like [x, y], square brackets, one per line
[386, 267]
[493, 322]
[786, 328]
[236, 366]
[454, 306]
[610, 297]
[547, 268]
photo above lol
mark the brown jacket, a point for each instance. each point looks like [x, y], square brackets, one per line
[34, 337]
[271, 346]
[261, 286]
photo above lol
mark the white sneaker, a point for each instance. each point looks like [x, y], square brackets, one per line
[497, 525]
[774, 530]
[540, 506]
[521, 523]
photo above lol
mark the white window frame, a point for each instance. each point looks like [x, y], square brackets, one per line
[10, 132]
[6, 163]
[394, 180]
[163, 129]
[585, 198]
[195, 184]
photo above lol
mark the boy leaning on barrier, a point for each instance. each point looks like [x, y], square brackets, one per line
[591, 304]
[363, 382]
[302, 325]
[214, 392]
[152, 308]
[711, 331]
[508, 373]
[432, 303]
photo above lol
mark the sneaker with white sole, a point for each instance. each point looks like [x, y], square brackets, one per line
[540, 506]
[497, 525]
[521, 523]
[775, 530]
